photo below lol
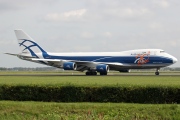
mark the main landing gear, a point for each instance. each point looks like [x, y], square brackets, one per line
[103, 73]
[95, 73]
[91, 73]
[157, 71]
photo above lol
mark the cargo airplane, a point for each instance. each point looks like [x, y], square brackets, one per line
[93, 62]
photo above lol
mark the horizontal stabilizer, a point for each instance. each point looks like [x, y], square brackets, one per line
[11, 54]
[19, 55]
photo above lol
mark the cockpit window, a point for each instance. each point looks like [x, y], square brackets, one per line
[162, 51]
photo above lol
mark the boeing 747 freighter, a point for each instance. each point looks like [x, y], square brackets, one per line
[93, 62]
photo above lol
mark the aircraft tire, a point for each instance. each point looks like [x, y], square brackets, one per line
[87, 73]
[103, 73]
[94, 73]
[156, 73]
[91, 73]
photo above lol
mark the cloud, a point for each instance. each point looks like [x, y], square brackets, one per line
[104, 14]
[162, 3]
[87, 35]
[5, 6]
[75, 13]
[24, 5]
[67, 16]
[121, 10]
[91, 23]
[107, 34]
[155, 25]
[174, 43]
[128, 12]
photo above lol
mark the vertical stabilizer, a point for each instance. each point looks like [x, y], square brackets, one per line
[27, 44]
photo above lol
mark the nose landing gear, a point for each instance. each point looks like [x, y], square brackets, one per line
[157, 71]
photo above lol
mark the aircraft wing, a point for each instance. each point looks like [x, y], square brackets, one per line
[81, 65]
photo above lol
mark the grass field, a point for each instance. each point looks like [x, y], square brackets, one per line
[83, 73]
[92, 80]
[87, 111]
[90, 111]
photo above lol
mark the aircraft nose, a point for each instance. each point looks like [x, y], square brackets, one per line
[174, 60]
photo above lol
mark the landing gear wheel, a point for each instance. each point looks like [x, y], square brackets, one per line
[156, 73]
[103, 73]
[91, 73]
[94, 73]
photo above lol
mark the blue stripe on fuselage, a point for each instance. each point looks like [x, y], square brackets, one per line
[119, 59]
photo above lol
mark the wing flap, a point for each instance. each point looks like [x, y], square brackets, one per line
[115, 64]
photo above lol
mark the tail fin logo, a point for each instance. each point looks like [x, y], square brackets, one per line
[31, 46]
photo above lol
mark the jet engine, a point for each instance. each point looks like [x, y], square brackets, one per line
[69, 66]
[102, 68]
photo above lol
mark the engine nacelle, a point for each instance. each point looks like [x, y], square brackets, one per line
[125, 70]
[69, 66]
[102, 68]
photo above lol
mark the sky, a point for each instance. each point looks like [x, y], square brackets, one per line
[89, 26]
